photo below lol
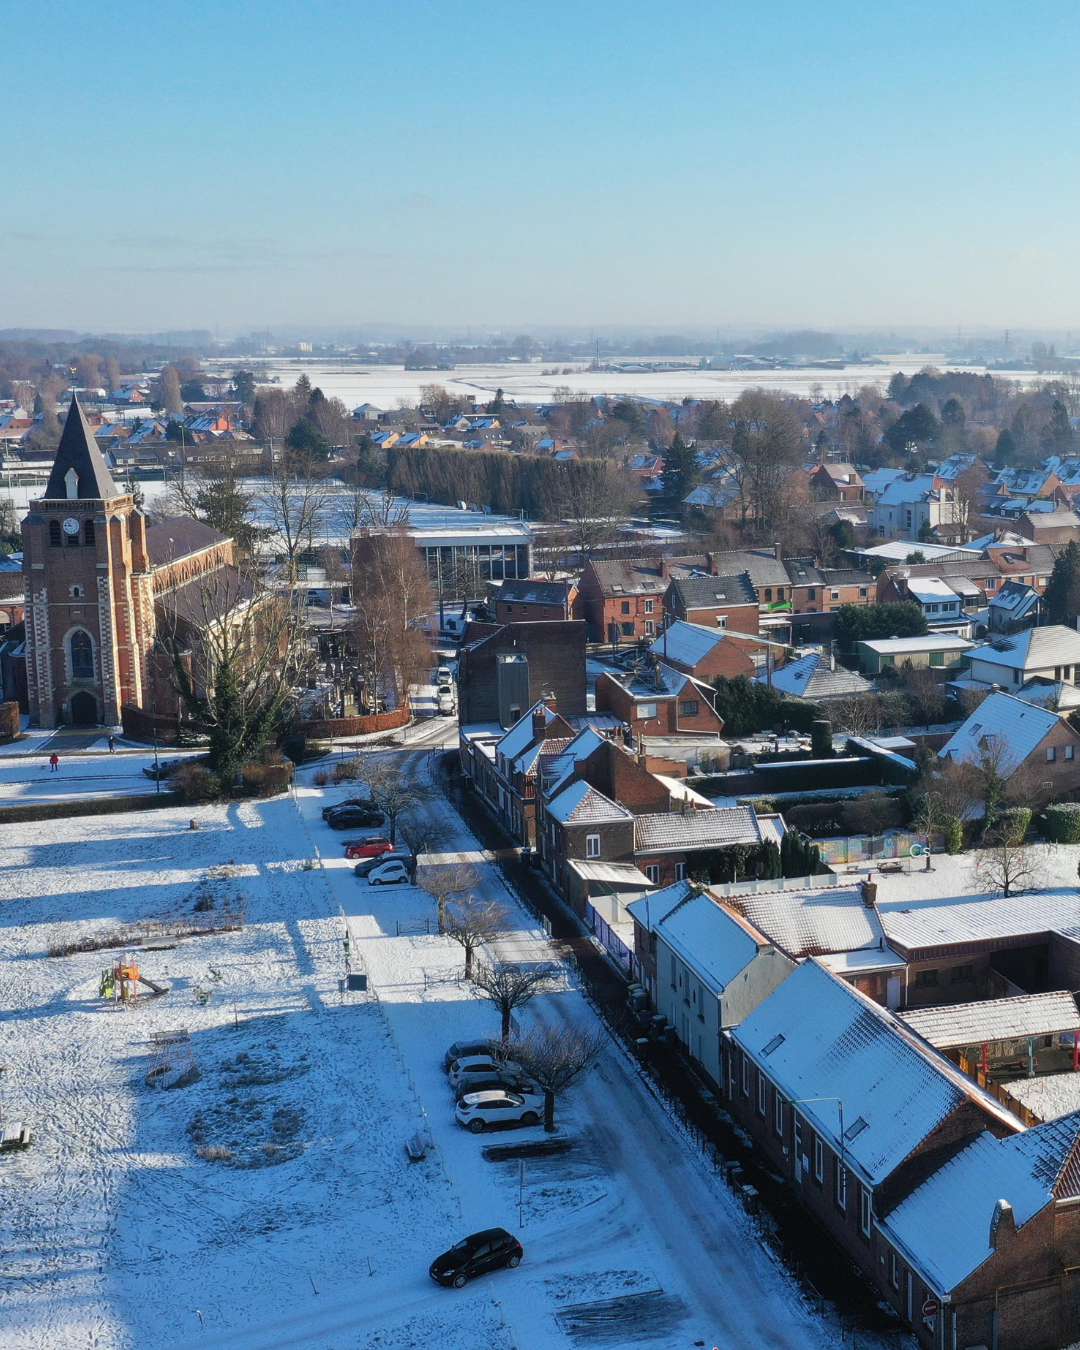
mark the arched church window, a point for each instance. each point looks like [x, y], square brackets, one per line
[82, 656]
[55, 537]
[88, 534]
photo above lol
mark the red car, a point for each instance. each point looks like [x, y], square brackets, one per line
[371, 847]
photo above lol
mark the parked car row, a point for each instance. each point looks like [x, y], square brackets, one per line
[489, 1091]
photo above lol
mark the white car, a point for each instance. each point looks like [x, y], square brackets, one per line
[447, 702]
[391, 873]
[443, 675]
[470, 1064]
[480, 1109]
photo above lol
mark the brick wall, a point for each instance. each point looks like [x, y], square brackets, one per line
[556, 656]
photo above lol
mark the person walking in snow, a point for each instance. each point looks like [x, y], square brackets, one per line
[112, 745]
[54, 761]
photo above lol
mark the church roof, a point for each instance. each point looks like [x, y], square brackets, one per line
[78, 450]
[179, 537]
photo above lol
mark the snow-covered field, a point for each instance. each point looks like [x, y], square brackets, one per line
[271, 1202]
[386, 385]
[30, 779]
[1054, 1095]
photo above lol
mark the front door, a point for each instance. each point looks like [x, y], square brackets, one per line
[84, 710]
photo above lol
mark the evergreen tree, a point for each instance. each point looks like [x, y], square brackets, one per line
[1005, 450]
[860, 623]
[306, 439]
[769, 864]
[915, 427]
[1058, 435]
[302, 388]
[952, 414]
[1061, 602]
[681, 474]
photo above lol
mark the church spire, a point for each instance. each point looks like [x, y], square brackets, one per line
[79, 469]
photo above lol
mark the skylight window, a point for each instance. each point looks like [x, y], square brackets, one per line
[775, 1044]
[853, 1131]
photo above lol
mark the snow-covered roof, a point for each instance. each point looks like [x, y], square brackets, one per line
[928, 590]
[571, 755]
[817, 1037]
[1011, 724]
[716, 942]
[877, 480]
[812, 677]
[687, 643]
[651, 908]
[953, 1025]
[1016, 598]
[905, 489]
[1034, 648]
[580, 804]
[911, 925]
[614, 874]
[946, 1224]
[929, 642]
[814, 922]
[676, 830]
[520, 736]
[897, 550]
[679, 790]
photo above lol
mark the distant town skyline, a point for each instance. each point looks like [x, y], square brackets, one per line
[834, 166]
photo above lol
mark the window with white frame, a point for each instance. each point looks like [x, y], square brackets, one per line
[894, 1271]
[864, 1211]
[646, 711]
[1051, 754]
[760, 1093]
[778, 1114]
[721, 621]
[648, 606]
[592, 846]
[1069, 751]
[745, 1076]
[841, 1185]
[652, 871]
[819, 1159]
[673, 972]
[680, 871]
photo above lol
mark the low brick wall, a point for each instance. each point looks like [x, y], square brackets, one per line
[9, 722]
[141, 726]
[354, 726]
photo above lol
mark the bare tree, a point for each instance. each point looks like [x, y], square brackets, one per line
[556, 1059]
[391, 592]
[473, 923]
[1005, 865]
[593, 500]
[511, 985]
[859, 715]
[293, 501]
[446, 882]
[359, 507]
[872, 814]
[421, 832]
[394, 793]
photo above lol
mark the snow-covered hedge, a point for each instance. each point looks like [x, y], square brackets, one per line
[1062, 822]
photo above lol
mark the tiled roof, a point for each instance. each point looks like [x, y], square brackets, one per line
[536, 592]
[763, 568]
[720, 828]
[954, 1025]
[817, 1037]
[179, 537]
[639, 576]
[709, 592]
[813, 922]
[911, 925]
[811, 677]
[520, 736]
[947, 1223]
[580, 804]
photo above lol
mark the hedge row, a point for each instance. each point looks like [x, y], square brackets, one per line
[101, 806]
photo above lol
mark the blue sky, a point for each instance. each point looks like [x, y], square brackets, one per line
[837, 164]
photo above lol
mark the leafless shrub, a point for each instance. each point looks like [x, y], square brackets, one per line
[214, 1153]
[446, 882]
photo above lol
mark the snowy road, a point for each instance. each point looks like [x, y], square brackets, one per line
[639, 1206]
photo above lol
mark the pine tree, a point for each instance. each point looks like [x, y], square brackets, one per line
[1061, 602]
[680, 475]
[1005, 450]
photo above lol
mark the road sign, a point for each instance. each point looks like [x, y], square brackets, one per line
[931, 1307]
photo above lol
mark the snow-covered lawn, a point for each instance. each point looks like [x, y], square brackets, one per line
[271, 1202]
[30, 779]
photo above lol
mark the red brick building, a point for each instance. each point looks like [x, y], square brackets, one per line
[623, 600]
[658, 701]
[535, 600]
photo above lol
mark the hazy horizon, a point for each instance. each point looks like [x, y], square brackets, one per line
[606, 167]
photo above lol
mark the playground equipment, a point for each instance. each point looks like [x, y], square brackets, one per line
[120, 983]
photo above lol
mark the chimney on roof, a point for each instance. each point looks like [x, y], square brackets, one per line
[550, 702]
[539, 723]
[665, 570]
[778, 551]
[1002, 1225]
[869, 893]
[713, 565]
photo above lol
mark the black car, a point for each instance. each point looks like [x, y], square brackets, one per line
[462, 1048]
[164, 768]
[476, 1255]
[354, 817]
[487, 1080]
[366, 865]
[364, 803]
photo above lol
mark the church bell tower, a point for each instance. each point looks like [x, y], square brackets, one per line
[89, 607]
